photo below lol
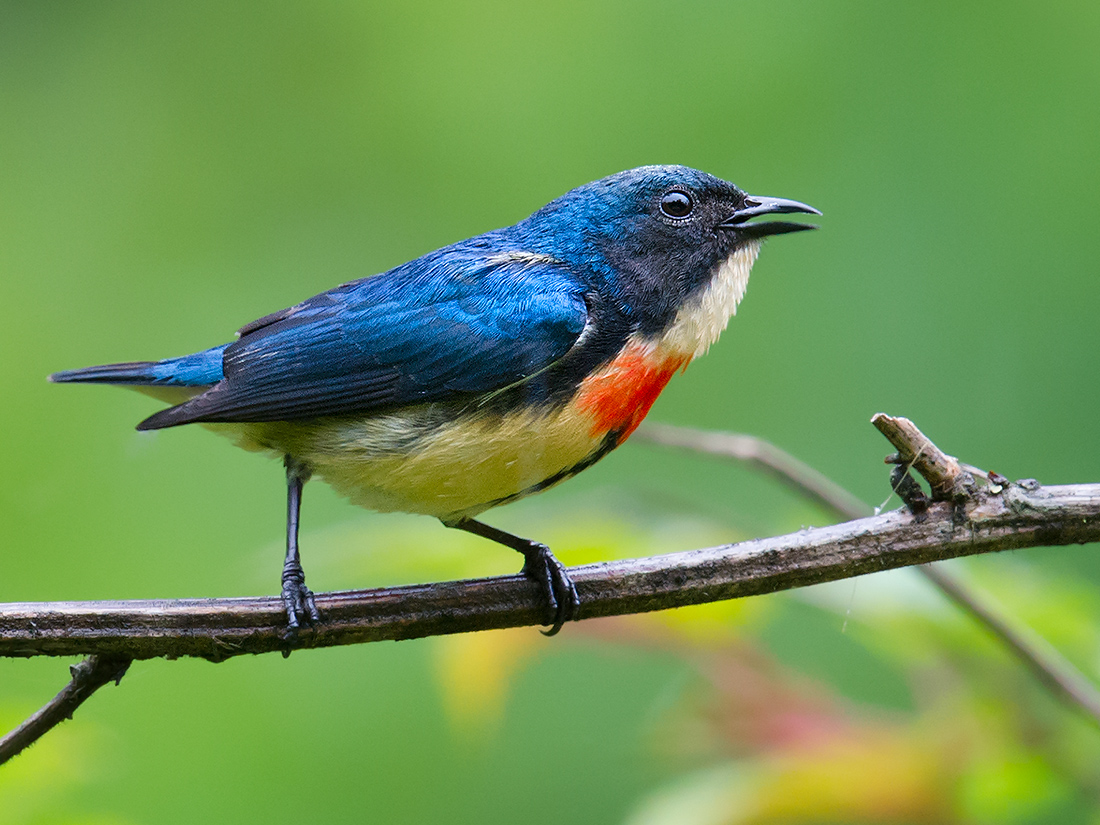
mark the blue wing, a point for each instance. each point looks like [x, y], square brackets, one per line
[449, 324]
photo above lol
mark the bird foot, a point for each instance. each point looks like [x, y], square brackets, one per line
[297, 598]
[547, 572]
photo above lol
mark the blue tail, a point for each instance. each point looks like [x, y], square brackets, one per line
[198, 370]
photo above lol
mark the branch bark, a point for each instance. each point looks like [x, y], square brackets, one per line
[216, 629]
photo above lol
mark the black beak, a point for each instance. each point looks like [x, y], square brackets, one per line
[755, 205]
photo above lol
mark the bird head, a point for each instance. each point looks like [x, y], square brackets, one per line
[656, 235]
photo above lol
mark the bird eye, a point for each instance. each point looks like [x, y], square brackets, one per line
[676, 204]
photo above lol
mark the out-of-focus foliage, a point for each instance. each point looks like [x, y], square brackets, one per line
[171, 171]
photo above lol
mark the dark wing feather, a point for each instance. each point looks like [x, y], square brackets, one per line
[428, 331]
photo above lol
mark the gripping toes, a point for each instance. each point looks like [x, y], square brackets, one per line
[543, 568]
[297, 598]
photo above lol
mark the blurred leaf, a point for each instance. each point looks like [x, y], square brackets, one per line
[872, 776]
[475, 671]
[1012, 786]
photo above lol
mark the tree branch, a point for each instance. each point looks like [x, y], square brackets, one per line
[970, 520]
[947, 479]
[217, 629]
[88, 677]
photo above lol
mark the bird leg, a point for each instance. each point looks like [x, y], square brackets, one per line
[297, 598]
[540, 566]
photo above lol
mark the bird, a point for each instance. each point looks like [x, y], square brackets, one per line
[484, 371]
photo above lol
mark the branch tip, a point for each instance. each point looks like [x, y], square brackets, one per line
[942, 472]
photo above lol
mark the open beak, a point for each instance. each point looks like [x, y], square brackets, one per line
[756, 205]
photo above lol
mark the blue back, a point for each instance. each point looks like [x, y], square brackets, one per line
[474, 318]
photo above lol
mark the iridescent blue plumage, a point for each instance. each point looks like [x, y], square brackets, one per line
[450, 325]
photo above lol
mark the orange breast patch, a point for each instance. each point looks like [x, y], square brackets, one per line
[618, 396]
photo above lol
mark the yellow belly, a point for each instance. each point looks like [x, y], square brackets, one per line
[413, 462]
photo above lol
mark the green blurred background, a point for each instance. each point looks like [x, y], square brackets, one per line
[168, 172]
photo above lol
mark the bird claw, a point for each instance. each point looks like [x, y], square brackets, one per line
[298, 599]
[543, 568]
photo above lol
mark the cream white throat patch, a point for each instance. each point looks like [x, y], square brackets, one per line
[703, 317]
